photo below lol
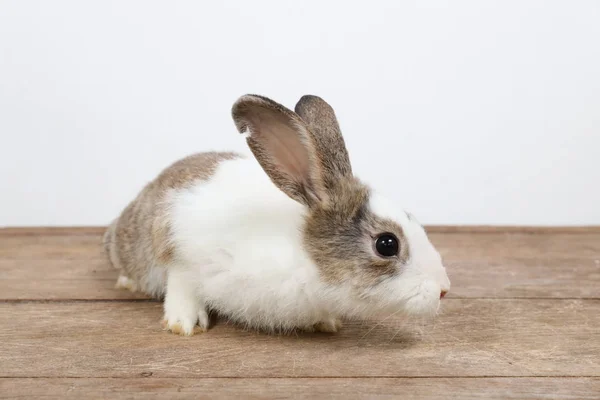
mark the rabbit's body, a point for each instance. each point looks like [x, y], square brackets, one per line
[240, 240]
[300, 246]
[237, 239]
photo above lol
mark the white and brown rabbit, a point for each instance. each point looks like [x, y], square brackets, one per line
[287, 239]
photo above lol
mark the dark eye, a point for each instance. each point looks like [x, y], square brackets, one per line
[387, 245]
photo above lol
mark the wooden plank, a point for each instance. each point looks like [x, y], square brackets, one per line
[95, 279]
[51, 230]
[458, 247]
[51, 247]
[515, 265]
[452, 246]
[489, 265]
[341, 388]
[54, 279]
[525, 279]
[471, 338]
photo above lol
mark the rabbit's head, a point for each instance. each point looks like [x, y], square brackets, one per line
[372, 256]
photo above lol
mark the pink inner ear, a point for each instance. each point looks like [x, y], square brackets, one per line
[281, 139]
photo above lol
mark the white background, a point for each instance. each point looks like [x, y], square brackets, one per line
[464, 112]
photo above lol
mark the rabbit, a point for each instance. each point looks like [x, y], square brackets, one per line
[284, 238]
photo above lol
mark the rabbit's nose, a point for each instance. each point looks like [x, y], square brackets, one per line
[443, 293]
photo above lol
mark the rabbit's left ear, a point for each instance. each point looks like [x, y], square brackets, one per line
[284, 146]
[331, 148]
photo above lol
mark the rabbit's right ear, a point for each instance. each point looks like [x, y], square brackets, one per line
[323, 125]
[284, 147]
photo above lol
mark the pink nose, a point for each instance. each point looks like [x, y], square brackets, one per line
[443, 293]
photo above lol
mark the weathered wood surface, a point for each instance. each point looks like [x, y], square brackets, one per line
[472, 338]
[324, 388]
[522, 321]
[486, 265]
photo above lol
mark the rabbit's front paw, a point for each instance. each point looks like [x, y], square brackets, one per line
[183, 308]
[185, 325]
[126, 283]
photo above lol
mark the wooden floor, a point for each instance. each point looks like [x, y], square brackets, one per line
[522, 321]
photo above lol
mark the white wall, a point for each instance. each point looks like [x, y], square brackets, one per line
[465, 112]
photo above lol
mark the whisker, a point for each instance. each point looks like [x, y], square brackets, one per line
[379, 323]
[395, 334]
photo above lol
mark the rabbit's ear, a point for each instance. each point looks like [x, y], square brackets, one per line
[284, 147]
[322, 123]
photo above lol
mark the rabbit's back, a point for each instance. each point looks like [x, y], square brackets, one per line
[138, 243]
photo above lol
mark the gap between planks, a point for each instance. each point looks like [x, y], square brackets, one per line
[151, 376]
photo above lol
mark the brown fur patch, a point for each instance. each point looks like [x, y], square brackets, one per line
[141, 236]
[340, 238]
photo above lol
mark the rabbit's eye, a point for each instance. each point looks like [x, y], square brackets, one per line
[387, 245]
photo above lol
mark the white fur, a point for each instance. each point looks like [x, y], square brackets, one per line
[240, 252]
[424, 276]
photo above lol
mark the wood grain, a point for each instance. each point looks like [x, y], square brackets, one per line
[55, 279]
[491, 265]
[56, 247]
[51, 230]
[471, 338]
[343, 388]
